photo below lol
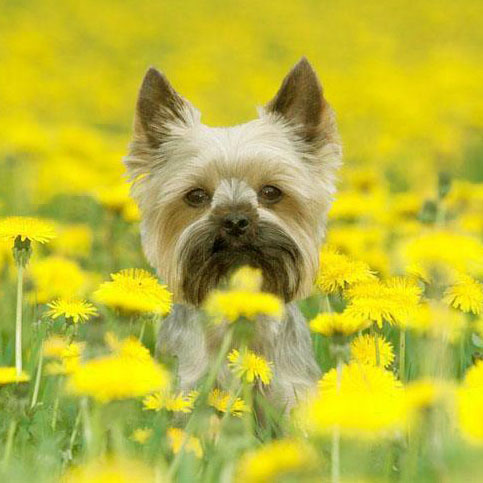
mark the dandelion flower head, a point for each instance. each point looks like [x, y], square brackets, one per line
[27, 228]
[363, 350]
[466, 295]
[135, 290]
[116, 377]
[274, 461]
[249, 366]
[338, 271]
[222, 400]
[337, 324]
[76, 310]
[231, 305]
[9, 375]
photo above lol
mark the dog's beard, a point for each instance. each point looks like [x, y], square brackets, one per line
[207, 259]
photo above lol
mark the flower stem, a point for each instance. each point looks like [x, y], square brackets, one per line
[56, 406]
[74, 432]
[9, 443]
[402, 355]
[143, 329]
[208, 384]
[38, 376]
[335, 453]
[87, 425]
[18, 322]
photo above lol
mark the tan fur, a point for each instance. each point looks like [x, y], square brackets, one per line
[293, 145]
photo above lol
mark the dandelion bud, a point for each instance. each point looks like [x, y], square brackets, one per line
[444, 184]
[22, 250]
[428, 212]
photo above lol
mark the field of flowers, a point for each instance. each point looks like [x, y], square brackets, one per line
[395, 313]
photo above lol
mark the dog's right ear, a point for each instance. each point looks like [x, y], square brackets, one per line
[158, 108]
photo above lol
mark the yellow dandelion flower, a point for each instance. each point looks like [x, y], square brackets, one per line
[221, 400]
[470, 404]
[274, 461]
[110, 471]
[241, 303]
[141, 435]
[179, 439]
[27, 228]
[379, 409]
[68, 355]
[175, 402]
[466, 295]
[426, 393]
[363, 350]
[249, 366]
[336, 324]
[355, 205]
[54, 346]
[469, 410]
[8, 375]
[115, 377]
[114, 197]
[130, 347]
[247, 278]
[130, 212]
[337, 271]
[358, 377]
[77, 310]
[73, 241]
[394, 300]
[437, 320]
[5, 252]
[135, 290]
[474, 376]
[57, 277]
[443, 250]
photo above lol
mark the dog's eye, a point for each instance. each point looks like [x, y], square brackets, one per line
[197, 197]
[270, 194]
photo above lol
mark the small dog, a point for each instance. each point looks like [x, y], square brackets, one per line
[213, 199]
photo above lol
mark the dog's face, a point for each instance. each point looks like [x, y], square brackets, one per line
[213, 199]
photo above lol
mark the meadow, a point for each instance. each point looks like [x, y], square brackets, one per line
[395, 312]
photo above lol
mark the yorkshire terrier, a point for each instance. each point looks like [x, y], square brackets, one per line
[213, 199]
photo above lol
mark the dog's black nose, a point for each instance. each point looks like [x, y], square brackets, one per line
[235, 224]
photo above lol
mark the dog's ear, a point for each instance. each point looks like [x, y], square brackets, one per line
[300, 101]
[158, 107]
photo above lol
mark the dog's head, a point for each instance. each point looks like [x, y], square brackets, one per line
[256, 194]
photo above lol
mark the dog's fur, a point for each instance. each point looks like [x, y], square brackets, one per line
[293, 145]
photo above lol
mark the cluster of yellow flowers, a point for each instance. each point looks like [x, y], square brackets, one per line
[396, 312]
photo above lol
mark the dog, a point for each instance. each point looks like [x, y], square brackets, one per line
[213, 199]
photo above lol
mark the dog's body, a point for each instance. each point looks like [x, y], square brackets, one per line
[213, 199]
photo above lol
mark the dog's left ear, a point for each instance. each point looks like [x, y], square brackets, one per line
[160, 113]
[300, 101]
[159, 107]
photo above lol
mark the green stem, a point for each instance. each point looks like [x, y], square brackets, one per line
[143, 329]
[335, 452]
[38, 376]
[325, 305]
[75, 431]
[87, 424]
[402, 355]
[210, 380]
[18, 322]
[9, 444]
[56, 406]
[225, 347]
